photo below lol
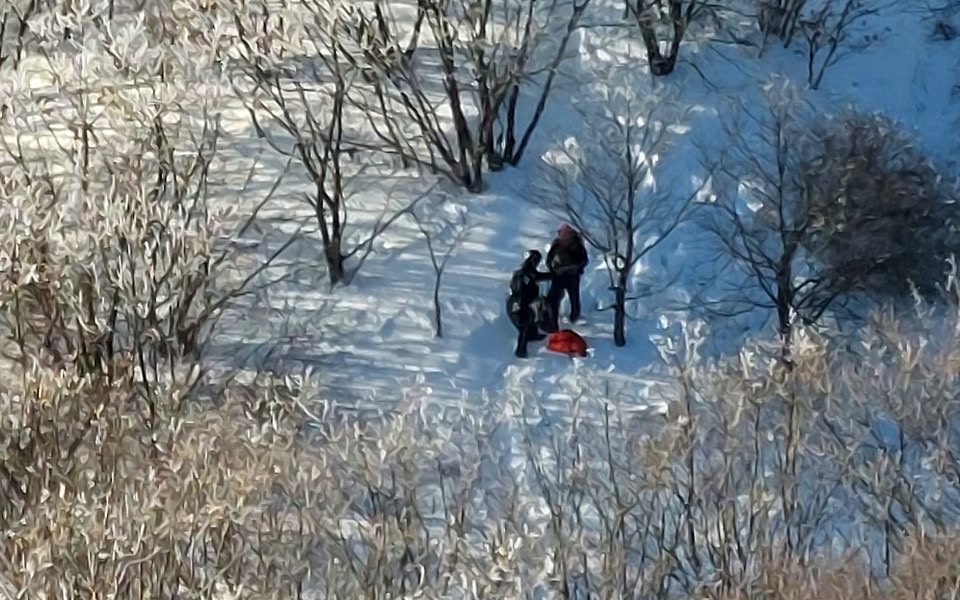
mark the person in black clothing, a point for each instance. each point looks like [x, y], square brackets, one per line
[566, 260]
[524, 291]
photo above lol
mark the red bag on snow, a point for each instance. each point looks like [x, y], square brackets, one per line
[567, 341]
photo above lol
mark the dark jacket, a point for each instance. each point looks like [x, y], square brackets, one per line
[523, 286]
[567, 257]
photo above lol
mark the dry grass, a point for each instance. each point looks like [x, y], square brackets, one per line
[262, 491]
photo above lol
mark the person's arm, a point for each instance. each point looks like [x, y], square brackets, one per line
[551, 253]
[584, 258]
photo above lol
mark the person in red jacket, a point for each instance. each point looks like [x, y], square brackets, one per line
[566, 260]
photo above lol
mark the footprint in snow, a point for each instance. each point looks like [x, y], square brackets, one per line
[417, 317]
[388, 328]
[518, 373]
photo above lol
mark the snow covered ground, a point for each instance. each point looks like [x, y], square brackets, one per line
[371, 343]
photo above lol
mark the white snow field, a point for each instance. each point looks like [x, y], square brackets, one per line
[370, 347]
[371, 343]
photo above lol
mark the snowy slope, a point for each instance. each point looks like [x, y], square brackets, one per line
[371, 343]
[372, 340]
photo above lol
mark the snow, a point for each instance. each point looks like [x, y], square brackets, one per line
[370, 344]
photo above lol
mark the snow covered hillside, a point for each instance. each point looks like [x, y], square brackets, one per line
[373, 339]
[372, 342]
[260, 251]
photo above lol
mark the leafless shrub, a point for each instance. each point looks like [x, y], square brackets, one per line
[101, 504]
[927, 567]
[761, 481]
[224, 495]
[779, 18]
[14, 29]
[818, 211]
[761, 216]
[826, 27]
[444, 227]
[113, 247]
[882, 218]
[757, 481]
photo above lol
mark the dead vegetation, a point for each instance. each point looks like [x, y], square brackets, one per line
[821, 481]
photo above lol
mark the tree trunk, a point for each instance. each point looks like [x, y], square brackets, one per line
[785, 300]
[509, 136]
[438, 322]
[620, 311]
[335, 260]
[660, 64]
[468, 175]
[414, 42]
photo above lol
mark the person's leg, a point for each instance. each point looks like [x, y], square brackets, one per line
[573, 291]
[547, 321]
[554, 296]
[533, 333]
[515, 314]
[525, 322]
[521, 350]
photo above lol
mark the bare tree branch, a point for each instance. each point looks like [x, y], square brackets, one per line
[444, 236]
[605, 184]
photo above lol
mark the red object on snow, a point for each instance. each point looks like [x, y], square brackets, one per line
[567, 341]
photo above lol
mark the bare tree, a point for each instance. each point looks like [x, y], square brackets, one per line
[826, 28]
[663, 26]
[483, 52]
[14, 27]
[819, 211]
[780, 19]
[309, 107]
[604, 183]
[443, 233]
[762, 212]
